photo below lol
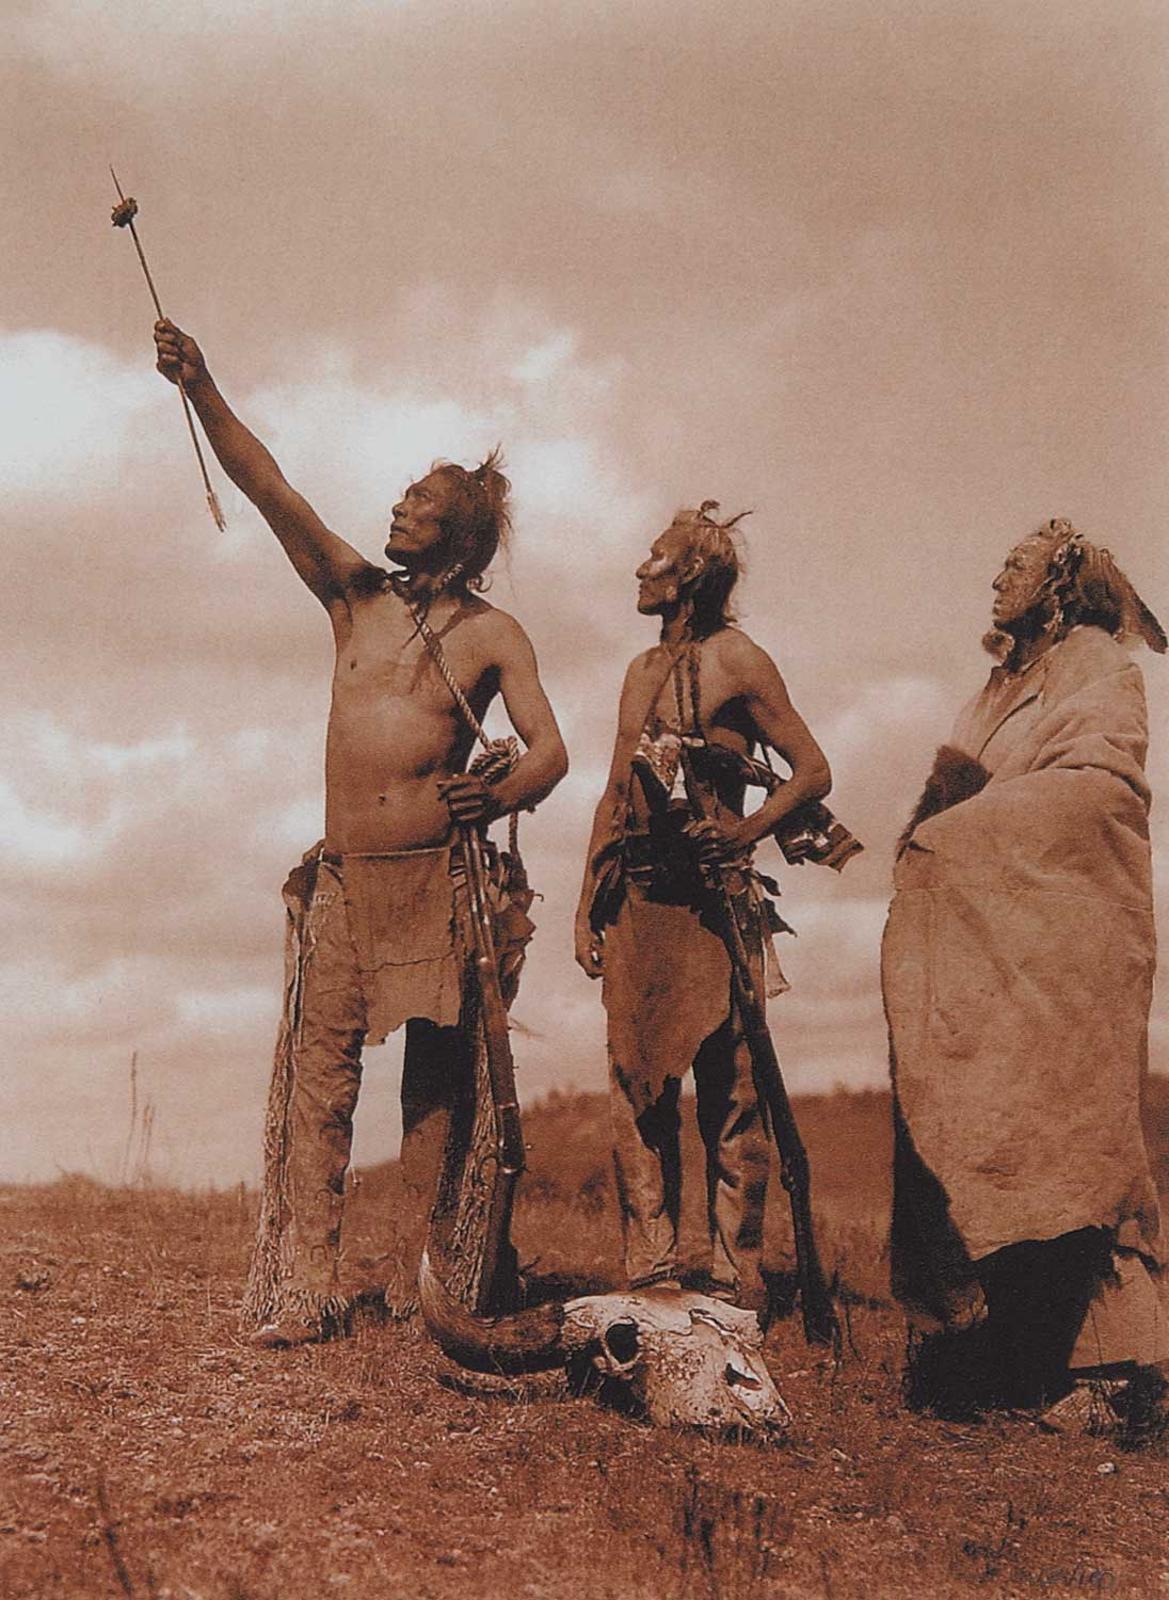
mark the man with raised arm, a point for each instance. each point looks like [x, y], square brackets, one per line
[376, 914]
[644, 918]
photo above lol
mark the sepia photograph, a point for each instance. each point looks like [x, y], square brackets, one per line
[585, 789]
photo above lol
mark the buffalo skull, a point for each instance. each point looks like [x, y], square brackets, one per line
[689, 1361]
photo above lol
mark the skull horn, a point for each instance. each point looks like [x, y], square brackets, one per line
[530, 1341]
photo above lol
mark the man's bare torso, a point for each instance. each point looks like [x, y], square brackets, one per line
[394, 728]
[723, 717]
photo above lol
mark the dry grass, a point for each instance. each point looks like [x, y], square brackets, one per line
[147, 1452]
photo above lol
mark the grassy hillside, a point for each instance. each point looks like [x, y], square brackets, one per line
[147, 1451]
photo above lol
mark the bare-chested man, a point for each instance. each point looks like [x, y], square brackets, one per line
[643, 920]
[374, 912]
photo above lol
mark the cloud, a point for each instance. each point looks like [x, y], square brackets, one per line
[227, 1011]
[70, 414]
[365, 444]
[543, 362]
[896, 283]
[37, 838]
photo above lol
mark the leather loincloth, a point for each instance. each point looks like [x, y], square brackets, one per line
[666, 981]
[407, 912]
[406, 935]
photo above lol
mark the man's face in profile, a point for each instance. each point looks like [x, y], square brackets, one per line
[416, 528]
[1017, 586]
[663, 572]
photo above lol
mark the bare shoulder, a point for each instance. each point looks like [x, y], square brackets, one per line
[738, 654]
[637, 690]
[498, 634]
[640, 671]
[639, 667]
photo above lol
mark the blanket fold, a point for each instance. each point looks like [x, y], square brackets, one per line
[1017, 967]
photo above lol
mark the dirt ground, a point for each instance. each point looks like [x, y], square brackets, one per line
[147, 1452]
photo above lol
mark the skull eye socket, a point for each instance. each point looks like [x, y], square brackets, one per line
[741, 1380]
[621, 1342]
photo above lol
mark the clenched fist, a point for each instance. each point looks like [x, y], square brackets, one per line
[179, 357]
[588, 948]
[468, 799]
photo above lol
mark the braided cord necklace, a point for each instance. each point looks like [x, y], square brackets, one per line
[498, 756]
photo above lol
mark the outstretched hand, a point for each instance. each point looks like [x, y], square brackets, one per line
[179, 357]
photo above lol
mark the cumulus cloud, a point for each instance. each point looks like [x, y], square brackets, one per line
[836, 263]
[38, 838]
[71, 413]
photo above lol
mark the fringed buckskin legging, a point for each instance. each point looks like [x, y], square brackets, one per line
[308, 1135]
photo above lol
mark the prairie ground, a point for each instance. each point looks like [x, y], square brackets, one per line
[148, 1452]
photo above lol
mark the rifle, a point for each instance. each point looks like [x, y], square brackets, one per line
[820, 1322]
[498, 1261]
[509, 1138]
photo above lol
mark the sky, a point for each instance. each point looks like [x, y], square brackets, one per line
[891, 273]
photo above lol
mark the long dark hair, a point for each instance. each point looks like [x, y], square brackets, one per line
[709, 593]
[478, 520]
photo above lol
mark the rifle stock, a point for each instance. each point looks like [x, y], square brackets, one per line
[509, 1140]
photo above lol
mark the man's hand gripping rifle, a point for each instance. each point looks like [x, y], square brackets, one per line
[497, 1277]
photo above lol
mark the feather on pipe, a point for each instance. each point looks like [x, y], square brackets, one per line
[123, 216]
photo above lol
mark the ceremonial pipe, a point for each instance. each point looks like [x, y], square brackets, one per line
[123, 216]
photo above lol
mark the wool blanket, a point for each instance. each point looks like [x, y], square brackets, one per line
[1017, 969]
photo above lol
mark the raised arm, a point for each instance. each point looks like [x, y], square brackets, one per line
[325, 562]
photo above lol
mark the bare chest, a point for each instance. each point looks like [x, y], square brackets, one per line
[692, 691]
[382, 656]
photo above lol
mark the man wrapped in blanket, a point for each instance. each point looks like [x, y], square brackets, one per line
[1017, 967]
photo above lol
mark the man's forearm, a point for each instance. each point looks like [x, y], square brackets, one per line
[787, 797]
[532, 779]
[602, 832]
[248, 463]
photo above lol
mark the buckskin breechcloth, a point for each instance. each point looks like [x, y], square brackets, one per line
[1017, 967]
[371, 942]
[668, 997]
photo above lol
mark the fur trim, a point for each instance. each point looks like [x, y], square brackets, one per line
[955, 777]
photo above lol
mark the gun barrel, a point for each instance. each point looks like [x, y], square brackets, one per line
[509, 1140]
[819, 1315]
